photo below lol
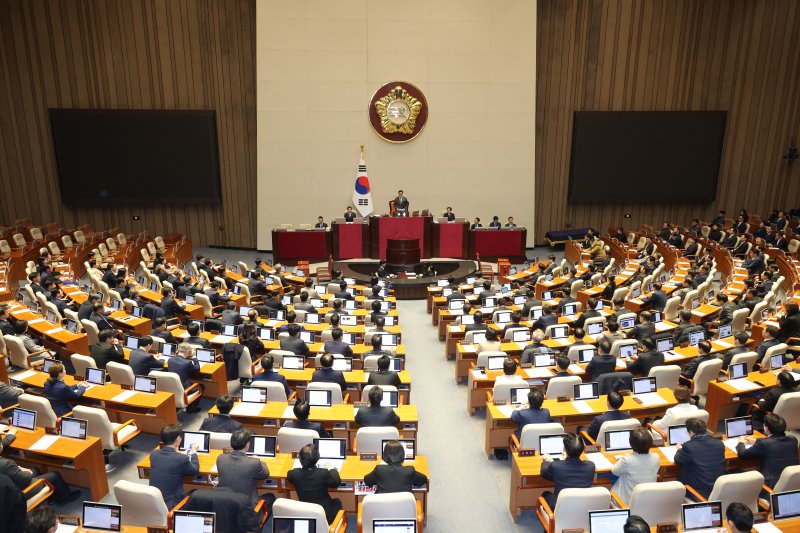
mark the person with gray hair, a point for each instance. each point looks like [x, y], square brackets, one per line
[184, 364]
[238, 471]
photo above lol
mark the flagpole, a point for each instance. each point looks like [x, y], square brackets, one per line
[362, 151]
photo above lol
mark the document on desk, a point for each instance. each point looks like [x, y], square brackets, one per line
[661, 327]
[538, 372]
[222, 339]
[649, 399]
[35, 321]
[64, 528]
[454, 329]
[763, 527]
[247, 409]
[723, 344]
[600, 461]
[669, 452]
[124, 395]
[582, 407]
[289, 412]
[468, 348]
[44, 442]
[53, 331]
[621, 364]
[19, 376]
[732, 443]
[742, 384]
[670, 355]
[506, 410]
[576, 369]
[476, 374]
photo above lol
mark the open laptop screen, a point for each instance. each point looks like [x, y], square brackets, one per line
[785, 504]
[739, 426]
[294, 525]
[331, 448]
[75, 428]
[702, 515]
[644, 385]
[618, 440]
[677, 435]
[23, 418]
[608, 521]
[394, 526]
[262, 446]
[193, 522]
[586, 391]
[102, 516]
[144, 384]
[201, 438]
[409, 445]
[551, 444]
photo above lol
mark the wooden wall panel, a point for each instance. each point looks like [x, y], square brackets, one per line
[135, 54]
[742, 56]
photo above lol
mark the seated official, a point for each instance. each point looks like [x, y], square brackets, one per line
[740, 339]
[214, 296]
[193, 329]
[590, 312]
[769, 400]
[382, 271]
[564, 297]
[789, 324]
[490, 343]
[449, 215]
[336, 346]
[569, 473]
[477, 224]
[509, 374]
[9, 395]
[562, 364]
[401, 204]
[301, 412]
[20, 332]
[59, 393]
[98, 316]
[335, 312]
[170, 307]
[603, 362]
[312, 483]
[647, 359]
[291, 318]
[548, 318]
[108, 349]
[308, 287]
[775, 452]
[614, 401]
[704, 349]
[248, 338]
[320, 224]
[645, 328]
[230, 315]
[294, 343]
[478, 323]
[657, 300]
[510, 223]
[252, 319]
[160, 330]
[641, 466]
[268, 374]
[533, 414]
[393, 476]
[685, 326]
[739, 518]
[635, 524]
[617, 308]
[240, 472]
[376, 293]
[755, 263]
[701, 458]
[22, 477]
[376, 311]
[727, 309]
[377, 347]
[256, 284]
[184, 364]
[304, 304]
[533, 349]
[326, 374]
[141, 361]
[770, 340]
[342, 293]
[495, 223]
[384, 376]
[222, 423]
[168, 466]
[613, 333]
[5, 326]
[349, 215]
[683, 397]
[375, 414]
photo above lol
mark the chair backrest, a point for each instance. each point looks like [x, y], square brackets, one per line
[573, 506]
[275, 390]
[45, 416]
[774, 350]
[594, 320]
[151, 247]
[483, 357]
[529, 436]
[671, 308]
[219, 441]
[739, 321]
[370, 439]
[170, 382]
[4, 247]
[336, 391]
[81, 363]
[19, 240]
[576, 287]
[502, 391]
[367, 388]
[687, 300]
[755, 316]
[246, 364]
[205, 302]
[91, 331]
[620, 293]
[509, 334]
[371, 363]
[743, 487]
[120, 374]
[292, 439]
[562, 386]
[52, 246]
[17, 353]
[616, 345]
[615, 381]
[789, 480]
[286, 508]
[277, 356]
[159, 242]
[747, 357]
[144, 505]
[80, 238]
[788, 407]
[615, 425]
[681, 417]
[666, 376]
[396, 505]
[99, 424]
[658, 503]
[706, 372]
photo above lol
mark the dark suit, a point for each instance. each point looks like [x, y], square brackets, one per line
[645, 362]
[199, 341]
[776, 452]
[59, 394]
[657, 301]
[338, 347]
[545, 320]
[8, 395]
[642, 331]
[85, 310]
[567, 474]
[329, 375]
[103, 352]
[343, 295]
[789, 327]
[762, 348]
[384, 378]
[294, 345]
[609, 416]
[528, 354]
[240, 473]
[170, 307]
[770, 399]
[231, 316]
[305, 424]
[694, 364]
[312, 486]
[142, 362]
[271, 375]
[726, 360]
[6, 328]
[349, 217]
[221, 424]
[233, 512]
[726, 313]
[257, 287]
[456, 295]
[476, 327]
[601, 364]
[702, 461]
[394, 478]
[165, 334]
[523, 417]
[102, 322]
[184, 368]
[167, 468]
[377, 416]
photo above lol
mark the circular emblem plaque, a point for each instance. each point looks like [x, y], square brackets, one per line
[398, 111]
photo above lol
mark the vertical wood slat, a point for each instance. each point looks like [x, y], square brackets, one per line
[742, 56]
[135, 54]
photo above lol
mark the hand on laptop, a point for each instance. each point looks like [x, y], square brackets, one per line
[747, 439]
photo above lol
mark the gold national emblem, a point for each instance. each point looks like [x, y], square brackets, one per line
[398, 111]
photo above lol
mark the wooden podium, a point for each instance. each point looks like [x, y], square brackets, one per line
[402, 251]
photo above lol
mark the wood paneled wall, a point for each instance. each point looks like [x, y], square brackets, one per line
[134, 54]
[742, 56]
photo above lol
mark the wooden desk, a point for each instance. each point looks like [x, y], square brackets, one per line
[193, 311]
[53, 336]
[132, 325]
[356, 380]
[704, 313]
[80, 462]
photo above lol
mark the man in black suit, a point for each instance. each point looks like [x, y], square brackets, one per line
[750, 300]
[375, 414]
[160, 330]
[377, 347]
[184, 364]
[789, 325]
[141, 361]
[312, 483]
[701, 458]
[456, 294]
[342, 293]
[614, 402]
[533, 414]
[478, 324]
[98, 316]
[169, 466]
[754, 264]
[301, 412]
[349, 215]
[5, 326]
[336, 345]
[477, 224]
[168, 303]
[548, 318]
[107, 349]
[568, 473]
[741, 338]
[704, 354]
[327, 374]
[384, 376]
[646, 360]
[449, 215]
[590, 312]
[393, 476]
[294, 343]
[256, 284]
[35, 282]
[231, 316]
[214, 296]
[603, 362]
[776, 452]
[658, 299]
[495, 223]
[273, 302]
[530, 303]
[110, 276]
[268, 374]
[715, 234]
[644, 329]
[516, 317]
[727, 310]
[770, 340]
[376, 293]
[320, 224]
[401, 204]
[222, 423]
[193, 329]
[769, 400]
[766, 284]
[240, 472]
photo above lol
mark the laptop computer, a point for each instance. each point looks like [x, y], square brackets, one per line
[350, 305]
[394, 526]
[608, 521]
[570, 309]
[262, 446]
[96, 376]
[204, 355]
[343, 364]
[536, 313]
[737, 370]
[314, 318]
[495, 362]
[51, 316]
[47, 362]
[519, 395]
[410, 446]
[785, 504]
[664, 345]
[23, 418]
[551, 444]
[738, 426]
[467, 320]
[193, 522]
[316, 302]
[389, 339]
[101, 516]
[201, 438]
[559, 332]
[725, 330]
[585, 354]
[619, 440]
[243, 310]
[253, 395]
[696, 337]
[389, 320]
[441, 283]
[144, 384]
[626, 323]
[267, 334]
[586, 391]
[307, 337]
[644, 385]
[294, 525]
[627, 351]
[544, 359]
[319, 398]
[777, 361]
[277, 314]
[332, 451]
[348, 320]
[655, 316]
[390, 399]
[697, 516]
[521, 335]
[397, 364]
[594, 328]
[230, 330]
[677, 435]
[503, 318]
[168, 349]
[455, 305]
[74, 428]
[72, 326]
[131, 343]
[137, 311]
[293, 362]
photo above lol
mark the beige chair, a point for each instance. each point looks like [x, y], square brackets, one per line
[367, 388]
[774, 350]
[19, 240]
[5, 249]
[81, 363]
[789, 480]
[396, 506]
[746, 357]
[80, 238]
[151, 247]
[17, 353]
[739, 320]
[529, 436]
[572, 509]
[707, 372]
[743, 487]
[658, 503]
[286, 508]
[370, 363]
[293, 439]
[501, 392]
[91, 331]
[245, 364]
[671, 308]
[112, 436]
[120, 374]
[370, 439]
[617, 345]
[275, 390]
[788, 407]
[483, 357]
[143, 504]
[562, 386]
[336, 391]
[45, 416]
[611, 425]
[277, 356]
[170, 382]
[122, 239]
[209, 311]
[666, 376]
[219, 441]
